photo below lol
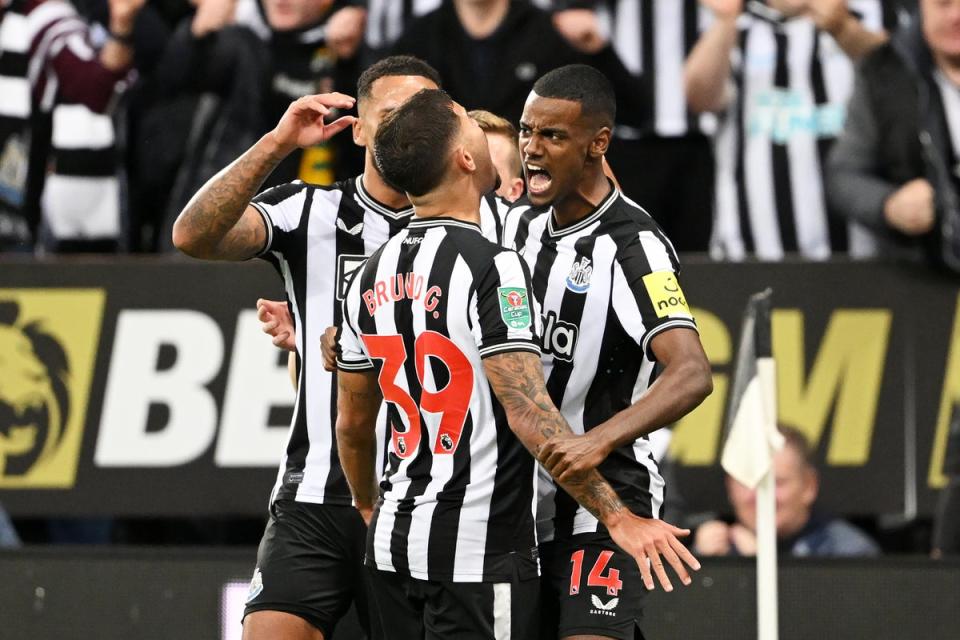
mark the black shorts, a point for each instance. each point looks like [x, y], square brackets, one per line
[310, 564]
[590, 587]
[410, 608]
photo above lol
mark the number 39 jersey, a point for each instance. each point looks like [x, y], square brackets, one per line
[607, 285]
[457, 497]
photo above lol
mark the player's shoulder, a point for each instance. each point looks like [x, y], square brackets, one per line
[625, 218]
[635, 231]
[322, 194]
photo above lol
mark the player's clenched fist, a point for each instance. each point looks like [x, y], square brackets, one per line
[303, 124]
[650, 542]
[567, 458]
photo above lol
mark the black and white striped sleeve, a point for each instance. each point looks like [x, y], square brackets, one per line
[506, 317]
[282, 209]
[352, 355]
[647, 296]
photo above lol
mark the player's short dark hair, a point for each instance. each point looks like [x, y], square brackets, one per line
[584, 84]
[394, 66]
[412, 143]
[798, 441]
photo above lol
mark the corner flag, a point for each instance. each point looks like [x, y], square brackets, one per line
[752, 436]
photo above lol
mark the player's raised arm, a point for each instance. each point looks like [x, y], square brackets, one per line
[517, 380]
[218, 222]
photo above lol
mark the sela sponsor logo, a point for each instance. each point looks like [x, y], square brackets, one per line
[601, 608]
[48, 344]
[579, 279]
[559, 337]
[403, 286]
[347, 265]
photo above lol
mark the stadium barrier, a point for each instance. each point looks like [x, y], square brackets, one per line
[151, 383]
[146, 594]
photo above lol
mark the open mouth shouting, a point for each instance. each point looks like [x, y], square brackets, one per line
[538, 179]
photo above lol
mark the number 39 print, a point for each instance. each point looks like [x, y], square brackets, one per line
[453, 401]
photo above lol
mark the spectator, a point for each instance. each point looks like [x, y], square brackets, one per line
[801, 530]
[779, 74]
[57, 156]
[652, 38]
[505, 152]
[895, 167]
[242, 62]
[489, 52]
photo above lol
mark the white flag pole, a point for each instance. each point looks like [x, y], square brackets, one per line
[767, 611]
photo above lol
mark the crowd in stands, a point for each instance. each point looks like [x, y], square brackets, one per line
[113, 112]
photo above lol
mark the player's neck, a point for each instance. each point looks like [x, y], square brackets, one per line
[481, 18]
[379, 190]
[593, 188]
[453, 200]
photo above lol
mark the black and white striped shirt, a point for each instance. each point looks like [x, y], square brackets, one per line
[317, 237]
[792, 83]
[457, 498]
[606, 285]
[653, 38]
[386, 19]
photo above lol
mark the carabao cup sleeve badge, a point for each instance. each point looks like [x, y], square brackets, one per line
[514, 307]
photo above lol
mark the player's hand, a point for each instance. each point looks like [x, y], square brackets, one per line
[329, 348]
[910, 209]
[276, 322]
[712, 538]
[345, 30]
[303, 123]
[650, 542]
[568, 458]
[724, 9]
[581, 29]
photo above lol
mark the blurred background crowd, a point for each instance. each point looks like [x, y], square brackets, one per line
[799, 129]
[747, 128]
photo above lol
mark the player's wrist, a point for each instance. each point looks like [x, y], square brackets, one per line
[275, 147]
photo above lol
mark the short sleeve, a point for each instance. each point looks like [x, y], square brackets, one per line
[352, 355]
[506, 317]
[647, 296]
[282, 210]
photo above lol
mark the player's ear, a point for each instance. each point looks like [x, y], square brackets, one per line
[358, 133]
[465, 159]
[600, 143]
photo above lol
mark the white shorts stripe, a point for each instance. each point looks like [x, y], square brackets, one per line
[501, 611]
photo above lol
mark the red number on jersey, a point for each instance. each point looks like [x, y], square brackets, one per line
[453, 401]
[391, 350]
[596, 578]
[611, 581]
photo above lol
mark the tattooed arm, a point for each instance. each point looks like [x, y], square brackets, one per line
[218, 223]
[517, 380]
[358, 402]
